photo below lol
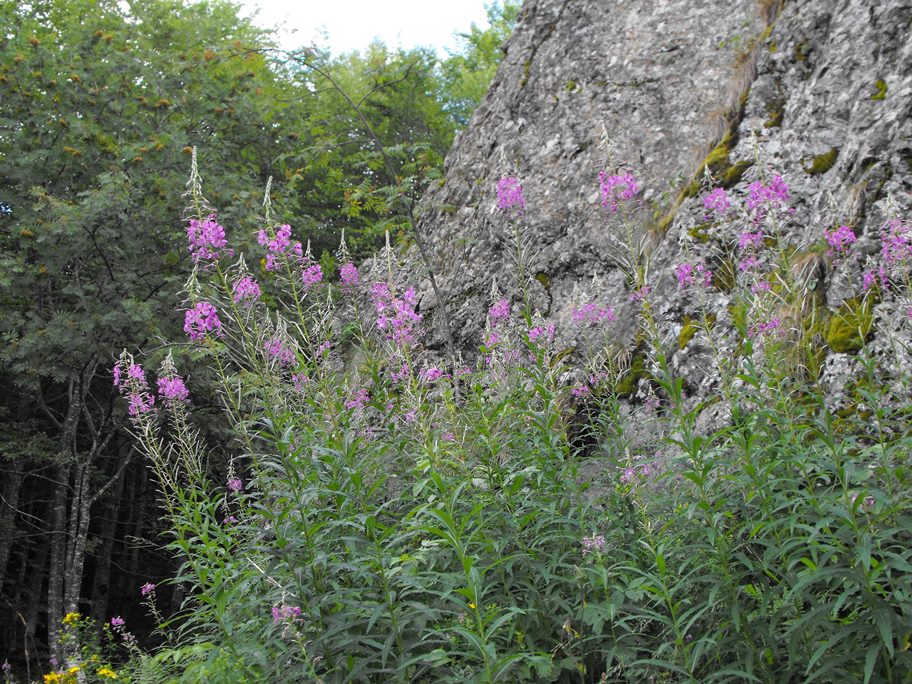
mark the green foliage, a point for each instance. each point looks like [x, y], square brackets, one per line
[466, 74]
[849, 326]
[402, 525]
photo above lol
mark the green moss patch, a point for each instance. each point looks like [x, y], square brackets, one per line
[823, 162]
[849, 327]
[881, 87]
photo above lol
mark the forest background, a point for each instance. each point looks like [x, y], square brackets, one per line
[101, 104]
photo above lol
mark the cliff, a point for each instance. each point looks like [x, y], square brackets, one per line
[816, 91]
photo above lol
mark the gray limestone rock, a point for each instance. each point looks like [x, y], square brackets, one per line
[819, 91]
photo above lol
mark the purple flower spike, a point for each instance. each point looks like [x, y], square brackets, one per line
[510, 195]
[246, 291]
[147, 588]
[206, 238]
[616, 188]
[201, 319]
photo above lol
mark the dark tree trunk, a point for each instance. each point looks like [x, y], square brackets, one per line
[56, 569]
[101, 588]
[8, 506]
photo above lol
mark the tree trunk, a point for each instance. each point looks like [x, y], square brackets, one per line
[57, 561]
[101, 587]
[8, 505]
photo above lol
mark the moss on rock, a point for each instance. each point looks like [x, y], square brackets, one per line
[823, 162]
[849, 327]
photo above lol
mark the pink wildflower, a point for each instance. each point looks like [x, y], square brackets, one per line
[201, 319]
[764, 329]
[510, 195]
[205, 239]
[279, 352]
[590, 314]
[448, 437]
[147, 588]
[616, 188]
[641, 294]
[595, 543]
[235, 485]
[173, 390]
[840, 239]
[285, 613]
[896, 242]
[431, 374]
[580, 391]
[278, 246]
[717, 201]
[499, 312]
[748, 239]
[117, 622]
[359, 399]
[689, 274]
[311, 275]
[348, 274]
[246, 290]
[537, 332]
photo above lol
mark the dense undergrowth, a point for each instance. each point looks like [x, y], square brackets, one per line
[390, 520]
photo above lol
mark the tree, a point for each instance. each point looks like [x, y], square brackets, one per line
[95, 126]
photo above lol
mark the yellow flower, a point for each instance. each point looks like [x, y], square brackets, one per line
[472, 606]
[107, 672]
[73, 670]
[71, 618]
[51, 678]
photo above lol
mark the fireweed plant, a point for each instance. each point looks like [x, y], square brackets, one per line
[386, 518]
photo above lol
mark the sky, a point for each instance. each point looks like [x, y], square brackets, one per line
[345, 25]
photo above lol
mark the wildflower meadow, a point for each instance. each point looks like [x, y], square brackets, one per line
[525, 511]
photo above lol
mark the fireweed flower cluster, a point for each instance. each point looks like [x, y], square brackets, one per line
[348, 275]
[396, 316]
[359, 399]
[278, 352]
[147, 588]
[595, 543]
[134, 386]
[617, 188]
[693, 274]
[540, 332]
[431, 375]
[590, 314]
[235, 485]
[641, 294]
[173, 390]
[278, 246]
[510, 195]
[763, 198]
[206, 239]
[311, 275]
[840, 239]
[766, 329]
[896, 243]
[246, 291]
[284, 613]
[201, 319]
[499, 312]
[716, 202]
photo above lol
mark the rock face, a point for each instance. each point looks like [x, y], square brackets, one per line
[819, 91]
